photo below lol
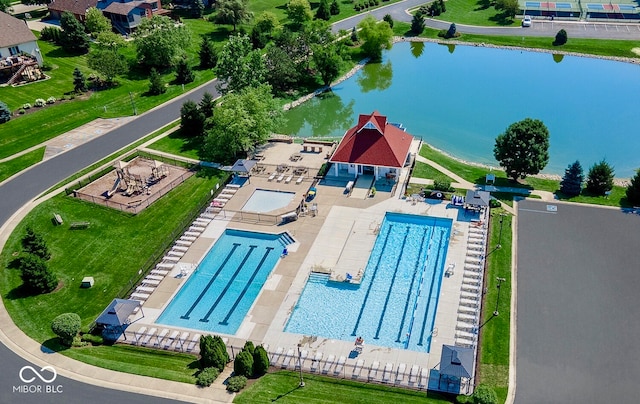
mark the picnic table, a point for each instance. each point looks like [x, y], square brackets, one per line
[295, 157]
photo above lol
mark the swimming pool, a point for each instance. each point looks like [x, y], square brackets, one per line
[264, 200]
[219, 294]
[395, 305]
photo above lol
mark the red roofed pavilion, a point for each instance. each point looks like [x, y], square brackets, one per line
[372, 147]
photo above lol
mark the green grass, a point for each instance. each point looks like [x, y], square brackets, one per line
[283, 388]
[14, 166]
[94, 252]
[175, 144]
[494, 350]
[422, 170]
[617, 198]
[475, 12]
[156, 363]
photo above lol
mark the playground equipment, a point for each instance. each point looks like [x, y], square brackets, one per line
[158, 172]
[131, 184]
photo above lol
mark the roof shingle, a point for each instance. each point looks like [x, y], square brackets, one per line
[13, 31]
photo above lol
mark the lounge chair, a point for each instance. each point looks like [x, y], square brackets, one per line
[287, 359]
[181, 341]
[180, 248]
[140, 296]
[288, 180]
[357, 369]
[303, 356]
[400, 373]
[373, 370]
[137, 335]
[316, 361]
[152, 282]
[276, 356]
[160, 337]
[192, 344]
[339, 365]
[145, 289]
[328, 364]
[280, 178]
[160, 272]
[271, 177]
[386, 374]
[169, 341]
[424, 377]
[148, 336]
[299, 180]
[155, 277]
[413, 374]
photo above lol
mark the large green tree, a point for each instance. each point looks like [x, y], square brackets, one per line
[66, 326]
[108, 63]
[323, 11]
[73, 37]
[159, 41]
[191, 119]
[298, 12]
[600, 178]
[244, 120]
[207, 54]
[509, 7]
[239, 66]
[375, 37]
[264, 29]
[417, 23]
[523, 149]
[233, 12]
[36, 275]
[95, 22]
[328, 62]
[571, 184]
[282, 70]
[633, 190]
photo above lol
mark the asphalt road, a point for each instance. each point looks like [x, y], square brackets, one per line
[33, 182]
[577, 308]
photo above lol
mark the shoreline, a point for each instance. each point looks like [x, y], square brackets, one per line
[623, 182]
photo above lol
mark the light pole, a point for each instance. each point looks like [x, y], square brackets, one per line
[133, 104]
[500, 235]
[300, 367]
[500, 280]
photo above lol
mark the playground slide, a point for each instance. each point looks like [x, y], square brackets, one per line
[113, 190]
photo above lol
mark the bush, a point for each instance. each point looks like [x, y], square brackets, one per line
[388, 19]
[484, 395]
[39, 102]
[260, 361]
[26, 106]
[494, 203]
[249, 347]
[36, 275]
[213, 352]
[93, 339]
[442, 184]
[46, 66]
[236, 383]
[21, 111]
[561, 38]
[66, 327]
[5, 112]
[243, 364]
[452, 31]
[207, 376]
[51, 100]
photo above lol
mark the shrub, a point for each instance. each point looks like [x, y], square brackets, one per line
[5, 112]
[46, 66]
[561, 38]
[249, 347]
[236, 383]
[93, 339]
[21, 111]
[494, 203]
[36, 275]
[334, 7]
[260, 361]
[66, 327]
[243, 364]
[26, 106]
[633, 189]
[213, 352]
[388, 19]
[442, 184]
[39, 102]
[452, 31]
[33, 243]
[484, 395]
[600, 178]
[207, 376]
[51, 100]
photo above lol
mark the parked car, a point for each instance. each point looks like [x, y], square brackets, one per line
[526, 21]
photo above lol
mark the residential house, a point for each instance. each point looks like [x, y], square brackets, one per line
[126, 16]
[19, 52]
[76, 7]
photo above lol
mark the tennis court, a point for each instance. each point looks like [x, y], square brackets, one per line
[611, 7]
[547, 4]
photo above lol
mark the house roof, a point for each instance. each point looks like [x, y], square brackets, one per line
[373, 141]
[14, 31]
[118, 312]
[243, 166]
[477, 198]
[456, 361]
[76, 7]
[121, 8]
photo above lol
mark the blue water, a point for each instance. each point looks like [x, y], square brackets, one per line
[219, 294]
[395, 305]
[263, 200]
[459, 98]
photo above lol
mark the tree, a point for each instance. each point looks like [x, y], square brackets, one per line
[561, 38]
[110, 40]
[95, 22]
[335, 7]
[184, 73]
[197, 8]
[264, 29]
[159, 41]
[376, 37]
[523, 149]
[156, 84]
[213, 352]
[388, 19]
[484, 395]
[33, 243]
[243, 364]
[298, 12]
[600, 178]
[73, 38]
[5, 5]
[249, 347]
[239, 66]
[108, 63]
[509, 7]
[260, 361]
[36, 275]
[327, 61]
[451, 32]
[245, 119]
[5, 113]
[417, 23]
[191, 119]
[633, 190]
[206, 105]
[324, 11]
[66, 326]
[233, 12]
[571, 184]
[282, 70]
[207, 53]
[354, 35]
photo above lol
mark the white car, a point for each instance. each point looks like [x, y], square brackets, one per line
[526, 21]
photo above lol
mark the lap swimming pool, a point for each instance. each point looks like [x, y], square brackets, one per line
[395, 305]
[219, 294]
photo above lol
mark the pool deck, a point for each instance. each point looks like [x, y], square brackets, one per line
[337, 240]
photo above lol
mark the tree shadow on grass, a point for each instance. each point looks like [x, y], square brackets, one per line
[502, 19]
[483, 5]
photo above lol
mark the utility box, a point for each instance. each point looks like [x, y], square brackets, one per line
[87, 282]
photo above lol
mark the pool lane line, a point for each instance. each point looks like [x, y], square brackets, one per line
[433, 279]
[213, 278]
[246, 287]
[205, 319]
[393, 279]
[413, 278]
[375, 271]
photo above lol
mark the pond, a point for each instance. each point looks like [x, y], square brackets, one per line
[459, 98]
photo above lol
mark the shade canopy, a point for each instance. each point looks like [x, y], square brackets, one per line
[118, 312]
[456, 361]
[243, 166]
[478, 199]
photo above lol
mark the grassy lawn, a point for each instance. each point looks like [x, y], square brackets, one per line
[156, 363]
[112, 250]
[422, 170]
[174, 143]
[14, 166]
[494, 349]
[283, 388]
[475, 12]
